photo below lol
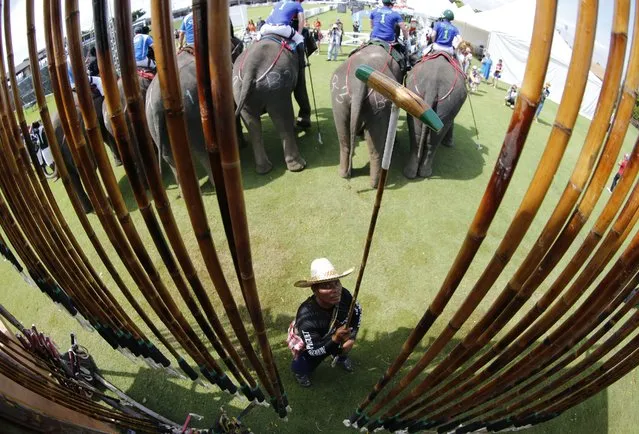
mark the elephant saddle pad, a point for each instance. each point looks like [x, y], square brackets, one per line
[388, 47]
[286, 43]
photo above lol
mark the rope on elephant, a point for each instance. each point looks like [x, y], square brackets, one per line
[283, 45]
[450, 60]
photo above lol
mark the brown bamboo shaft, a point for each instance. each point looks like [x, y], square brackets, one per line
[495, 191]
[127, 154]
[600, 379]
[539, 185]
[515, 294]
[172, 98]
[605, 347]
[63, 172]
[220, 69]
[43, 379]
[623, 224]
[169, 311]
[78, 147]
[60, 395]
[49, 200]
[586, 314]
[136, 112]
[105, 298]
[523, 388]
[200, 25]
[15, 189]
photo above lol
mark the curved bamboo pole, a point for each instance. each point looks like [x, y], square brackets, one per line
[172, 96]
[523, 401]
[539, 185]
[102, 296]
[586, 317]
[578, 219]
[208, 366]
[221, 80]
[155, 353]
[102, 205]
[200, 25]
[127, 154]
[498, 184]
[20, 192]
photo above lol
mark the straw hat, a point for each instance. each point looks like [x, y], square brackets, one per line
[322, 271]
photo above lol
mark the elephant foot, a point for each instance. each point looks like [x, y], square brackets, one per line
[303, 123]
[343, 173]
[264, 168]
[449, 144]
[425, 172]
[296, 165]
[410, 171]
[87, 207]
[374, 181]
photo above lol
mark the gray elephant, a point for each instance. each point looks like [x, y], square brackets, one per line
[74, 175]
[264, 77]
[441, 83]
[155, 112]
[358, 108]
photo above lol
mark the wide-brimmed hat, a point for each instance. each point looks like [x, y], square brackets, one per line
[322, 271]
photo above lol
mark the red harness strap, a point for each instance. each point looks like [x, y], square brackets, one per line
[452, 61]
[283, 45]
[145, 74]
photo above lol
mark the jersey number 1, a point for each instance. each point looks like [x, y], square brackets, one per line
[383, 20]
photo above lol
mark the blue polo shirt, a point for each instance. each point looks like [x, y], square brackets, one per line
[187, 28]
[445, 32]
[284, 12]
[141, 44]
[384, 21]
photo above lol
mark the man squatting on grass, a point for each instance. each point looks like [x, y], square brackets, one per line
[319, 328]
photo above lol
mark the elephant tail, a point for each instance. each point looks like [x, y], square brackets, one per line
[357, 101]
[247, 85]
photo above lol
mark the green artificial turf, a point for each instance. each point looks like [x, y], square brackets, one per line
[295, 217]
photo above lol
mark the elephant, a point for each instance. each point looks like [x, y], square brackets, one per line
[264, 77]
[437, 79]
[357, 108]
[74, 175]
[155, 112]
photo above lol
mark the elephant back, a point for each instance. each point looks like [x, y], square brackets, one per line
[438, 79]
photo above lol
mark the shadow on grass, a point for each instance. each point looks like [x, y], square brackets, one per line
[334, 393]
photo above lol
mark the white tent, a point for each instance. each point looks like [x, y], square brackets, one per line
[509, 39]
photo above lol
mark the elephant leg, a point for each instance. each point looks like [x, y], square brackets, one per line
[376, 132]
[343, 126]
[301, 93]
[282, 118]
[434, 139]
[253, 123]
[414, 132]
[448, 138]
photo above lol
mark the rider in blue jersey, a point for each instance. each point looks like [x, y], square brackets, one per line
[279, 23]
[143, 48]
[186, 31]
[445, 36]
[384, 22]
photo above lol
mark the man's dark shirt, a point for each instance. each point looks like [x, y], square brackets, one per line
[313, 322]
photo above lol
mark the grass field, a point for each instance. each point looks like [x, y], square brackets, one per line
[295, 217]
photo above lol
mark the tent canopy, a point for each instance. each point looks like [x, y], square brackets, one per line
[509, 39]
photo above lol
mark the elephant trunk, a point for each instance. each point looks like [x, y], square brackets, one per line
[357, 101]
